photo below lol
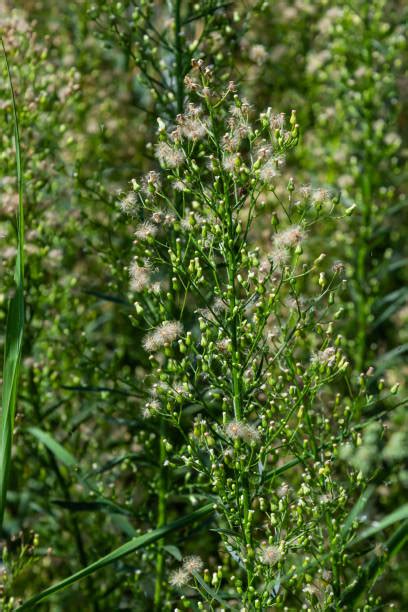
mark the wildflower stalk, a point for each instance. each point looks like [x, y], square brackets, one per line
[179, 56]
[161, 517]
[162, 479]
[242, 481]
[365, 230]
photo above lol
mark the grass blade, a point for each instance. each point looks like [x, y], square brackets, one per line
[400, 514]
[55, 447]
[357, 509]
[14, 325]
[127, 548]
[374, 568]
[65, 457]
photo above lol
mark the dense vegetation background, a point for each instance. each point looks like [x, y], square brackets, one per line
[215, 306]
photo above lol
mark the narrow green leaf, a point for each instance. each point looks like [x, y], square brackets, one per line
[280, 470]
[108, 298]
[394, 517]
[123, 524]
[55, 447]
[14, 324]
[374, 568]
[173, 551]
[70, 461]
[127, 548]
[357, 509]
[384, 361]
[93, 506]
[397, 299]
[210, 591]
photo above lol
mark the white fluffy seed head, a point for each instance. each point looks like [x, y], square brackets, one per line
[237, 430]
[146, 230]
[163, 335]
[289, 237]
[193, 563]
[139, 277]
[169, 156]
[179, 578]
[269, 554]
[326, 357]
[128, 204]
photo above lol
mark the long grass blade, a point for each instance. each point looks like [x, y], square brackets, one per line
[401, 514]
[127, 548]
[357, 509]
[374, 568]
[55, 447]
[14, 324]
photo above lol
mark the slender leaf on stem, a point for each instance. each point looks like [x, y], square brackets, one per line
[127, 548]
[14, 324]
[374, 568]
[55, 447]
[357, 509]
[398, 515]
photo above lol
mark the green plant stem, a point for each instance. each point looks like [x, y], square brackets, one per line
[363, 310]
[236, 376]
[334, 559]
[162, 478]
[161, 519]
[179, 57]
[366, 194]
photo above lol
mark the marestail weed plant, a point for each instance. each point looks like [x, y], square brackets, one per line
[245, 364]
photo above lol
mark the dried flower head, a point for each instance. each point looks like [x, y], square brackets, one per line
[320, 195]
[237, 430]
[310, 589]
[258, 54]
[163, 335]
[238, 123]
[338, 267]
[140, 277]
[289, 237]
[231, 162]
[179, 578]
[271, 168]
[151, 182]
[179, 185]
[128, 204]
[192, 564]
[269, 554]
[192, 125]
[169, 156]
[326, 357]
[279, 255]
[276, 120]
[190, 84]
[224, 346]
[145, 230]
